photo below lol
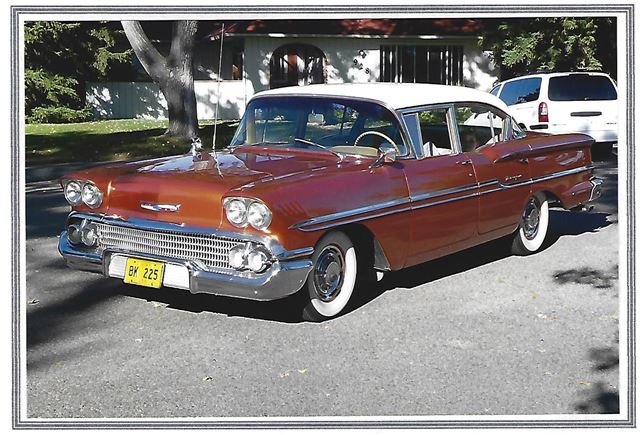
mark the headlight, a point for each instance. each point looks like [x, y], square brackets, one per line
[73, 192]
[236, 212]
[259, 216]
[91, 195]
[257, 261]
[246, 211]
[89, 234]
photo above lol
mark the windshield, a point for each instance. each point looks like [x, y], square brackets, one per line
[336, 125]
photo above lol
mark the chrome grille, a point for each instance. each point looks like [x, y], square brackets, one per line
[208, 249]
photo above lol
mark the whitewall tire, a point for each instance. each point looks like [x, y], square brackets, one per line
[533, 228]
[333, 277]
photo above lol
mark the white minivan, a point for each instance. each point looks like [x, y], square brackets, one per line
[565, 102]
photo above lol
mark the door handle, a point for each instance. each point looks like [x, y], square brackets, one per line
[463, 162]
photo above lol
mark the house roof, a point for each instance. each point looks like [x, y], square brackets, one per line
[345, 27]
[394, 95]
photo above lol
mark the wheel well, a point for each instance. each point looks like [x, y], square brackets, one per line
[370, 253]
[553, 199]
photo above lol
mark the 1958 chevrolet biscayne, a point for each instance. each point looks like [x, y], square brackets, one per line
[324, 184]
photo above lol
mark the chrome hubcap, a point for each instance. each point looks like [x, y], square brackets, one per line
[531, 219]
[328, 274]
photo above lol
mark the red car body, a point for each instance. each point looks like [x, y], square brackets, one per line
[408, 209]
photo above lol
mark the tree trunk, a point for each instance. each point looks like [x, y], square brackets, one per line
[173, 74]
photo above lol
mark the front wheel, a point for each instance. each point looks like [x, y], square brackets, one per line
[533, 227]
[331, 282]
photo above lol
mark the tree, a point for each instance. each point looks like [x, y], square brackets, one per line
[523, 45]
[173, 73]
[60, 57]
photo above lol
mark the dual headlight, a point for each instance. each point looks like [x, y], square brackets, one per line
[77, 192]
[246, 211]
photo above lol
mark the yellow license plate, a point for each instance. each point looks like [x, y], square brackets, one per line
[144, 272]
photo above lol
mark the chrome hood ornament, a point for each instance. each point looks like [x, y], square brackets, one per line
[171, 208]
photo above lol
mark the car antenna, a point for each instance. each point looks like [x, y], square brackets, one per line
[215, 115]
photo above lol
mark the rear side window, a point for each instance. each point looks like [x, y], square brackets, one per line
[521, 91]
[495, 90]
[581, 87]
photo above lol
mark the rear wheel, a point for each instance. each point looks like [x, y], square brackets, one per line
[533, 227]
[331, 282]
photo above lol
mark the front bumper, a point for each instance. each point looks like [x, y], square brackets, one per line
[285, 276]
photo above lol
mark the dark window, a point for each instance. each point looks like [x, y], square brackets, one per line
[581, 87]
[521, 91]
[296, 64]
[421, 64]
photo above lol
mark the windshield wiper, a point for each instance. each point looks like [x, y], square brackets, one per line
[308, 142]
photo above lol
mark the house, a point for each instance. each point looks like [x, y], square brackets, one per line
[264, 54]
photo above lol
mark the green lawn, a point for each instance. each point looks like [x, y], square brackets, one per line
[122, 139]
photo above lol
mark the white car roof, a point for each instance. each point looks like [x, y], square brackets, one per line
[554, 74]
[395, 95]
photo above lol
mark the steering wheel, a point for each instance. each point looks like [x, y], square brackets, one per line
[377, 133]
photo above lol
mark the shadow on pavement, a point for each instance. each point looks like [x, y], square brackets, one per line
[600, 279]
[283, 310]
[601, 398]
[46, 214]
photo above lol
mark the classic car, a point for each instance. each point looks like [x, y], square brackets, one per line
[323, 186]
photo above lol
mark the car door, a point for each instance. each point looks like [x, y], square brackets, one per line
[442, 187]
[488, 138]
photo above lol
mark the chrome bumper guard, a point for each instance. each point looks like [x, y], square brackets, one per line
[285, 276]
[596, 190]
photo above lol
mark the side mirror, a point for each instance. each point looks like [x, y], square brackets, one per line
[386, 154]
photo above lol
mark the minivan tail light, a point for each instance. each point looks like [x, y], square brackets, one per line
[543, 112]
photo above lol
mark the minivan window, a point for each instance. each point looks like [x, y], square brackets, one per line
[495, 90]
[581, 87]
[521, 91]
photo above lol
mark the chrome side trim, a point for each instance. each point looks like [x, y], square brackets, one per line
[382, 209]
[445, 201]
[351, 213]
[548, 177]
[444, 192]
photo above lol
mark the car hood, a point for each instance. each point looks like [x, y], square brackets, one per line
[189, 189]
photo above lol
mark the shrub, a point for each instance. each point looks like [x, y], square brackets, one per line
[58, 115]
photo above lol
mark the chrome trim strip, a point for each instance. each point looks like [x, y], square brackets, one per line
[361, 213]
[444, 201]
[444, 192]
[548, 177]
[350, 213]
